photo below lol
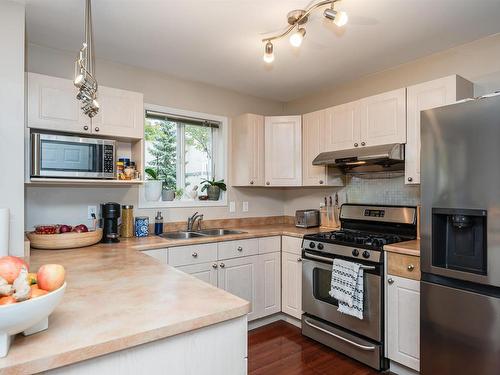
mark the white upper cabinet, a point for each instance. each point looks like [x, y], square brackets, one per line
[424, 96]
[283, 151]
[52, 105]
[247, 134]
[313, 129]
[383, 119]
[121, 113]
[342, 127]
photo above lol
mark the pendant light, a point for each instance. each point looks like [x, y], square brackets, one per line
[85, 69]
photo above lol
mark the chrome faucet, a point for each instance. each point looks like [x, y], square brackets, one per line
[192, 219]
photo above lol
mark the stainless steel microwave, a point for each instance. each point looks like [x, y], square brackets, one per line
[62, 156]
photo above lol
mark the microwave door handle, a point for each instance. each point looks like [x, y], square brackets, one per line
[35, 154]
[328, 260]
[359, 346]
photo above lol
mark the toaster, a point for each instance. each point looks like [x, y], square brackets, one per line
[307, 218]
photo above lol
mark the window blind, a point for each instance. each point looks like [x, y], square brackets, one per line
[183, 119]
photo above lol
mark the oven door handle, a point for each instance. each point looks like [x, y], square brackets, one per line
[359, 346]
[328, 260]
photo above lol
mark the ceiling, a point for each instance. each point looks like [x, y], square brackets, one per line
[219, 41]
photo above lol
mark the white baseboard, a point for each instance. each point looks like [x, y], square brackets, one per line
[400, 369]
[274, 318]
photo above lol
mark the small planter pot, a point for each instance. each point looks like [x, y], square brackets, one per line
[167, 195]
[213, 193]
[152, 190]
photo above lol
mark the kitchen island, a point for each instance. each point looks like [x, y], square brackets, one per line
[124, 312]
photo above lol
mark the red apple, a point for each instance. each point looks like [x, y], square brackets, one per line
[81, 228]
[50, 277]
[64, 228]
[10, 267]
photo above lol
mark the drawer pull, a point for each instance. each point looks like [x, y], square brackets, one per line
[411, 267]
[195, 255]
[240, 248]
[222, 265]
[299, 259]
[390, 280]
[214, 265]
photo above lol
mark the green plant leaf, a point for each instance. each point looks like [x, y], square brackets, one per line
[151, 173]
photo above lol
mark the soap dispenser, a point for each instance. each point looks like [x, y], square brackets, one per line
[158, 223]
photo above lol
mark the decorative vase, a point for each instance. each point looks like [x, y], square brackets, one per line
[152, 190]
[213, 193]
[167, 195]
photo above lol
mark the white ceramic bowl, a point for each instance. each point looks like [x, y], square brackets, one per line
[29, 317]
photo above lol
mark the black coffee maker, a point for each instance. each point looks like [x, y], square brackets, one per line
[110, 213]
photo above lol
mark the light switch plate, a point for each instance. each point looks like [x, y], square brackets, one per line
[245, 207]
[232, 206]
[91, 210]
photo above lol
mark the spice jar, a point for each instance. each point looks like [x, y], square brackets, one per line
[127, 228]
[119, 170]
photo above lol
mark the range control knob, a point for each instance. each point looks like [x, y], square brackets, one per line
[355, 252]
[320, 246]
[312, 245]
[366, 254]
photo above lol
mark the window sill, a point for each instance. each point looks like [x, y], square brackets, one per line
[180, 204]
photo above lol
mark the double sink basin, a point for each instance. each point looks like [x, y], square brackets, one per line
[185, 235]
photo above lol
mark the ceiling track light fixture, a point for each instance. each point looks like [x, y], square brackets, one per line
[84, 69]
[299, 17]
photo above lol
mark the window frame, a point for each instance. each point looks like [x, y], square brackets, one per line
[220, 162]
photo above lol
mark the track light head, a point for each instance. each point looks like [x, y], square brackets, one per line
[297, 37]
[338, 18]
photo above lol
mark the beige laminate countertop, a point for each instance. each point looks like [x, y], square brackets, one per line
[117, 298]
[406, 248]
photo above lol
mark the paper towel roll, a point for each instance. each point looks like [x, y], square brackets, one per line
[4, 231]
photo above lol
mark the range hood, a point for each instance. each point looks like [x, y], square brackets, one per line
[384, 158]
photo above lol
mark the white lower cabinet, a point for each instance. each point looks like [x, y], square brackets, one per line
[239, 277]
[206, 272]
[158, 254]
[291, 293]
[268, 284]
[403, 321]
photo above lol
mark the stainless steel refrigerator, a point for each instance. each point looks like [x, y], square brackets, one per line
[460, 232]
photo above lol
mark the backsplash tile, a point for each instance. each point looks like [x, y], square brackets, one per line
[381, 190]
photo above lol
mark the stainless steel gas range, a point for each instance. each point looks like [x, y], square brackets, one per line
[365, 229]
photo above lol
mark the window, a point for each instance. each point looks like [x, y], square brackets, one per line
[184, 149]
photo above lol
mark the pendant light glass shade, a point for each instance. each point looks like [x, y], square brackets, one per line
[269, 53]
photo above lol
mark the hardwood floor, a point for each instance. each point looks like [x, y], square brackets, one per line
[280, 349]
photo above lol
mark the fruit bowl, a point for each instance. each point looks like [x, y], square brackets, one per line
[64, 240]
[29, 317]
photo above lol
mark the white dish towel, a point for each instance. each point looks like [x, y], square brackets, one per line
[347, 287]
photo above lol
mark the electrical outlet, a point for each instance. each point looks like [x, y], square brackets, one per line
[91, 210]
[245, 207]
[232, 206]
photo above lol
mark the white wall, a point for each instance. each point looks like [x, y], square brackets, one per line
[56, 204]
[12, 119]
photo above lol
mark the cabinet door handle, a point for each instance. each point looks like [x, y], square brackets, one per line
[363, 143]
[299, 259]
[268, 183]
[214, 266]
[411, 267]
[195, 255]
[390, 280]
[355, 145]
[410, 179]
[240, 248]
[321, 182]
[222, 265]
[96, 128]
[85, 127]
[251, 182]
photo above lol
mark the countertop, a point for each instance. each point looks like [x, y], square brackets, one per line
[118, 298]
[406, 248]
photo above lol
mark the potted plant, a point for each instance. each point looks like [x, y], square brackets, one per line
[152, 186]
[213, 188]
[168, 192]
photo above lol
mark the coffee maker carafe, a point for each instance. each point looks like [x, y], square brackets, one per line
[110, 214]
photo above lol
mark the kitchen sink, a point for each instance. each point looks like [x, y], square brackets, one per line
[186, 235]
[219, 232]
[181, 235]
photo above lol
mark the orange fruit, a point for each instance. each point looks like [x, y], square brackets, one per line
[7, 300]
[35, 292]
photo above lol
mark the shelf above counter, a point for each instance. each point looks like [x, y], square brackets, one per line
[81, 182]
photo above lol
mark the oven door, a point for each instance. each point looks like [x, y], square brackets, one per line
[73, 157]
[316, 283]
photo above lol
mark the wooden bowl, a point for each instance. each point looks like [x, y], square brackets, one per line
[68, 240]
